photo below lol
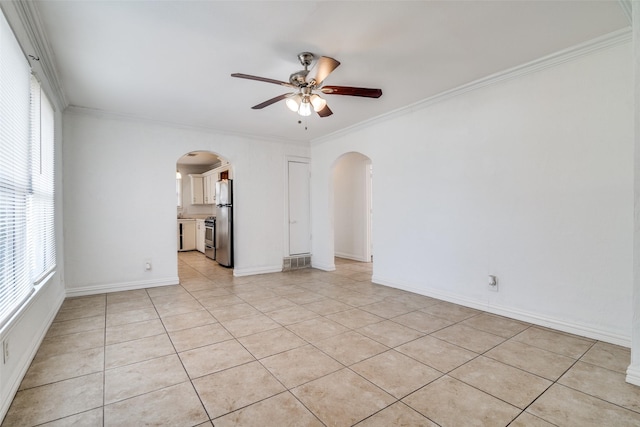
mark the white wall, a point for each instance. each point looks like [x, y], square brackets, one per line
[120, 200]
[350, 206]
[529, 179]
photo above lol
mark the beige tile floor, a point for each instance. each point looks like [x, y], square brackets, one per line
[311, 348]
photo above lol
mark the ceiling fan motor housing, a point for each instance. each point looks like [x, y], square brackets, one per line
[299, 78]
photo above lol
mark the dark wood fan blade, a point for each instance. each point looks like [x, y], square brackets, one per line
[271, 101]
[352, 91]
[325, 67]
[325, 112]
[261, 79]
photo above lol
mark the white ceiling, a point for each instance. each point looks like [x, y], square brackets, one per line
[171, 60]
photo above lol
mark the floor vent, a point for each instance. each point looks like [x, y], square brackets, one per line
[296, 262]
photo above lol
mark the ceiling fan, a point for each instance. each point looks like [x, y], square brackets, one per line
[305, 98]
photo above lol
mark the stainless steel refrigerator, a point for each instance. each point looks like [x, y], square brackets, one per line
[224, 222]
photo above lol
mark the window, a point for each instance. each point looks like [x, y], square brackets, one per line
[27, 240]
[179, 188]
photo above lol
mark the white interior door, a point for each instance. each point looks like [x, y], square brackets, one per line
[299, 208]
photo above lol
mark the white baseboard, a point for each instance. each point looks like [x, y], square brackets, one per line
[633, 375]
[352, 257]
[323, 266]
[118, 287]
[239, 272]
[525, 316]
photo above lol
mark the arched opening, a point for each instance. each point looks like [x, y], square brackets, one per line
[352, 178]
[204, 203]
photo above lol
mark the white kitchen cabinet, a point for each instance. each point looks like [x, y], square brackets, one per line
[197, 189]
[209, 188]
[200, 232]
[186, 234]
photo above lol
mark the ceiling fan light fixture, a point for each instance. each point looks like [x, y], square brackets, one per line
[293, 102]
[318, 102]
[305, 107]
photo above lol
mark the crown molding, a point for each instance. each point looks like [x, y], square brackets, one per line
[94, 112]
[603, 42]
[30, 19]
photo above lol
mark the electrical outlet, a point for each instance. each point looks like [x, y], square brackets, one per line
[492, 284]
[5, 351]
[147, 265]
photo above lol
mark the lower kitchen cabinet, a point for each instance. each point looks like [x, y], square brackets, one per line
[186, 234]
[200, 232]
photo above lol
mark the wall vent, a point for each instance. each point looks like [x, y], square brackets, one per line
[296, 262]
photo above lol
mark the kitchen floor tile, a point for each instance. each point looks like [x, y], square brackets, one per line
[602, 383]
[250, 325]
[300, 365]
[272, 304]
[71, 343]
[80, 312]
[138, 350]
[468, 337]
[354, 318]
[235, 388]
[563, 406]
[200, 336]
[556, 342]
[317, 329]
[91, 418]
[390, 333]
[133, 331]
[608, 356]
[290, 315]
[142, 377]
[505, 382]
[350, 347]
[387, 308]
[396, 373]
[187, 320]
[452, 312]
[531, 359]
[171, 406]
[449, 402]
[397, 414]
[271, 342]
[496, 325]
[423, 322]
[436, 353]
[282, 410]
[131, 316]
[213, 358]
[46, 370]
[235, 311]
[75, 326]
[327, 306]
[342, 398]
[53, 401]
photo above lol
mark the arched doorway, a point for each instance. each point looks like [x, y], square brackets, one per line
[197, 173]
[352, 207]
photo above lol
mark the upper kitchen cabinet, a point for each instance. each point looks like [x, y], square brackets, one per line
[209, 182]
[209, 188]
[197, 189]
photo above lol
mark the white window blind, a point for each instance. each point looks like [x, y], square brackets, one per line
[15, 276]
[41, 225]
[27, 234]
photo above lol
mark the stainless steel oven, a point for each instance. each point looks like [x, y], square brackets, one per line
[210, 237]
